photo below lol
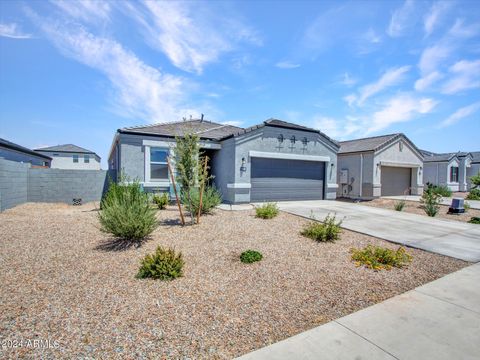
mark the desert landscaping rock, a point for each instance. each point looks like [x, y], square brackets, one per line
[60, 282]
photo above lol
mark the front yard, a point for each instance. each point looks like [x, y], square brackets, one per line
[416, 208]
[65, 281]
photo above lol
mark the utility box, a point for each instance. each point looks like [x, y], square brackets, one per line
[457, 206]
[344, 176]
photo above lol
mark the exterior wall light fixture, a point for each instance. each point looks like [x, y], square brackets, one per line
[304, 141]
[292, 139]
[243, 168]
[280, 138]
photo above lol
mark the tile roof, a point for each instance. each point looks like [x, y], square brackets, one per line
[475, 156]
[439, 157]
[366, 144]
[70, 148]
[13, 146]
[203, 128]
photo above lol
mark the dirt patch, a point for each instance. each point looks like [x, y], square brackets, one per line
[60, 284]
[414, 207]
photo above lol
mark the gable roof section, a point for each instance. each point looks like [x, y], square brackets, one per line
[68, 148]
[203, 128]
[12, 146]
[374, 143]
[475, 157]
[447, 157]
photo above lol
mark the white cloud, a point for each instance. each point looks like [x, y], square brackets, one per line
[139, 90]
[237, 123]
[12, 31]
[372, 37]
[389, 78]
[425, 82]
[460, 30]
[401, 108]
[86, 10]
[460, 114]
[433, 17]
[401, 19]
[433, 56]
[348, 80]
[350, 99]
[466, 76]
[191, 36]
[335, 128]
[286, 65]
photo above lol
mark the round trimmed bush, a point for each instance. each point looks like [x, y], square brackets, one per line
[250, 256]
[164, 264]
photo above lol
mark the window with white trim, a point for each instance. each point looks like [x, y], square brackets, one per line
[75, 158]
[86, 158]
[158, 164]
[454, 174]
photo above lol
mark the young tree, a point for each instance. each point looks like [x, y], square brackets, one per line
[475, 179]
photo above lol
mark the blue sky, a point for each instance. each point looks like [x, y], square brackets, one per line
[74, 72]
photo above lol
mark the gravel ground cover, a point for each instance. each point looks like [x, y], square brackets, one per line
[415, 208]
[63, 280]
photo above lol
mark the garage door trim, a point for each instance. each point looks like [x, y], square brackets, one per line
[398, 164]
[270, 155]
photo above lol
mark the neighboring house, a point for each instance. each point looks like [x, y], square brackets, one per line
[71, 156]
[272, 161]
[449, 169]
[379, 166]
[18, 153]
[474, 168]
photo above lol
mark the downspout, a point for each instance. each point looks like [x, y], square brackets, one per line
[361, 174]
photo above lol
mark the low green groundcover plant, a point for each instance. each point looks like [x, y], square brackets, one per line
[126, 212]
[474, 194]
[250, 256]
[378, 258]
[474, 220]
[327, 231]
[267, 211]
[164, 264]
[161, 200]
[399, 205]
[210, 200]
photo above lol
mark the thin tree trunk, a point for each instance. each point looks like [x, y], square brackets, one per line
[202, 187]
[175, 190]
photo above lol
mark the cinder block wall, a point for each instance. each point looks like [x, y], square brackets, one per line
[13, 183]
[19, 183]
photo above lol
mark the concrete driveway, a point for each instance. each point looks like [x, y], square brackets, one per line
[474, 204]
[447, 237]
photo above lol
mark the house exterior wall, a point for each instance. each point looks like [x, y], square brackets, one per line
[393, 155]
[223, 169]
[364, 176]
[435, 173]
[18, 156]
[265, 139]
[65, 161]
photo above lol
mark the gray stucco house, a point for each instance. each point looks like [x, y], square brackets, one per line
[274, 160]
[449, 169]
[14, 152]
[379, 166]
[70, 156]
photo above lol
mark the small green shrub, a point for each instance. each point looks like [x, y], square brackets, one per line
[377, 257]
[250, 256]
[210, 200]
[267, 211]
[126, 212]
[474, 194]
[466, 206]
[474, 220]
[164, 264]
[399, 205]
[431, 202]
[161, 200]
[327, 231]
[441, 190]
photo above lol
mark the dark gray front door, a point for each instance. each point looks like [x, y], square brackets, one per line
[395, 180]
[279, 179]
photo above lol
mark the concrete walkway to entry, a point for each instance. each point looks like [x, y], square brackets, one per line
[437, 321]
[474, 204]
[447, 237]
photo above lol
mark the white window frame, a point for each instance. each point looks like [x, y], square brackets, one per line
[148, 180]
[86, 159]
[75, 156]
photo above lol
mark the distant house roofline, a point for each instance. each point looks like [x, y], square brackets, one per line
[66, 148]
[12, 146]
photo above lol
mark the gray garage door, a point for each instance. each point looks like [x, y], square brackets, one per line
[279, 179]
[395, 180]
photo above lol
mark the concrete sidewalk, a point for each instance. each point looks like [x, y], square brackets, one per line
[438, 321]
[474, 204]
[447, 237]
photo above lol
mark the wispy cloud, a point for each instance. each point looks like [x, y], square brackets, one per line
[401, 19]
[462, 30]
[191, 36]
[348, 80]
[12, 31]
[400, 108]
[340, 129]
[465, 76]
[139, 90]
[287, 65]
[430, 60]
[389, 78]
[85, 10]
[434, 15]
[460, 114]
[427, 81]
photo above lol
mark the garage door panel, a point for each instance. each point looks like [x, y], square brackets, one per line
[395, 180]
[277, 180]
